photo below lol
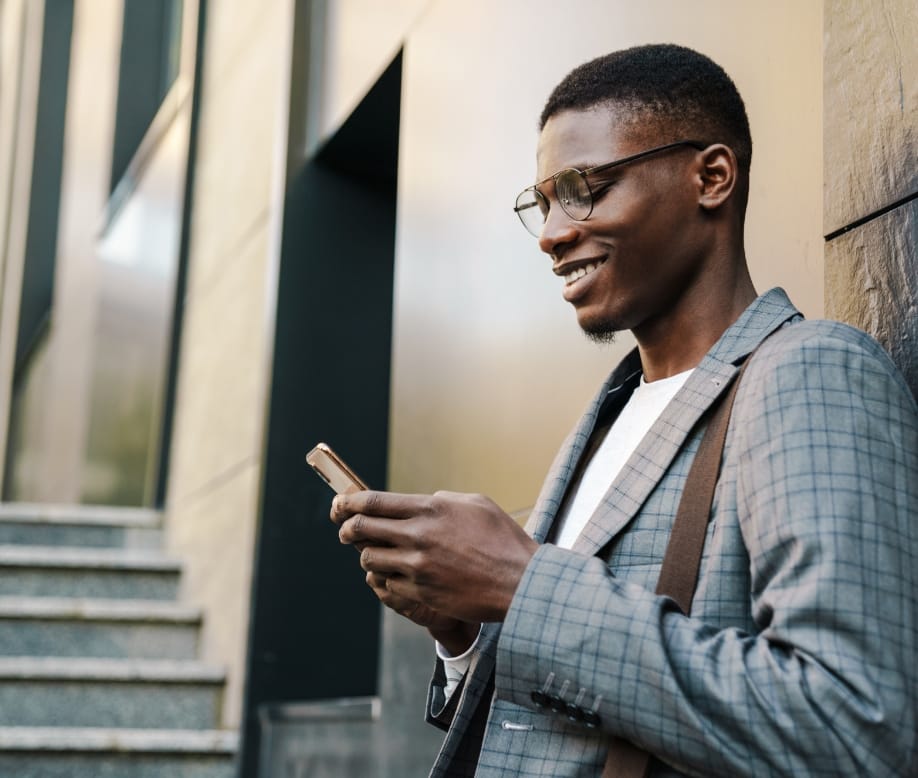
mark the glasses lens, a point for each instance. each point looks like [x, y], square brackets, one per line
[532, 210]
[574, 195]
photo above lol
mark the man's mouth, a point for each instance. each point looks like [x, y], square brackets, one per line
[581, 272]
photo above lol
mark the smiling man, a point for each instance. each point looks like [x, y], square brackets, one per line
[556, 656]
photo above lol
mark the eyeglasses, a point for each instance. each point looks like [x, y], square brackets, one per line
[573, 192]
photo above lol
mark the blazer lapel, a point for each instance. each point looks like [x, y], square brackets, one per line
[653, 456]
[563, 468]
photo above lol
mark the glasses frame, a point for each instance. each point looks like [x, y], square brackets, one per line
[696, 144]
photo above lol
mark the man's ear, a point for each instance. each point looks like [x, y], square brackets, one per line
[718, 176]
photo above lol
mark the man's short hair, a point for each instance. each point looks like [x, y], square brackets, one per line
[684, 93]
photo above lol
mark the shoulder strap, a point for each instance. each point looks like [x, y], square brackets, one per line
[682, 559]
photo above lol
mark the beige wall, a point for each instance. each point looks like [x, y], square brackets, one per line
[352, 42]
[490, 369]
[215, 470]
[20, 67]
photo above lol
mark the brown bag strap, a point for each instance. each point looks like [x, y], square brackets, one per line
[682, 559]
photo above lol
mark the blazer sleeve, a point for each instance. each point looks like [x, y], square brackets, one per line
[824, 450]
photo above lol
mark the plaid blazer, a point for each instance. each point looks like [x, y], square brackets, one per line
[800, 656]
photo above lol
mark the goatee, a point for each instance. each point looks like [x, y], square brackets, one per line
[603, 334]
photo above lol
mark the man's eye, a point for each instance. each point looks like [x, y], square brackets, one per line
[602, 188]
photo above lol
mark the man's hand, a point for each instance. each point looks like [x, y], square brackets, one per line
[459, 555]
[455, 635]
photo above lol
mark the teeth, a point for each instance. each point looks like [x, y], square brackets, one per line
[581, 272]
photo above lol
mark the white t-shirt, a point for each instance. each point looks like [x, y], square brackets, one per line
[643, 408]
[637, 417]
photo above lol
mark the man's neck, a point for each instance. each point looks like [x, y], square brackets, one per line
[679, 343]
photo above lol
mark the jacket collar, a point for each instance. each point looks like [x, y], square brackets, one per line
[647, 465]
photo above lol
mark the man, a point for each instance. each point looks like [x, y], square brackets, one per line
[800, 656]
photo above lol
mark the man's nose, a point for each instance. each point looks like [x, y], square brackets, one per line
[558, 232]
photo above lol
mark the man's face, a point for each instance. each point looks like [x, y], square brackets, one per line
[629, 264]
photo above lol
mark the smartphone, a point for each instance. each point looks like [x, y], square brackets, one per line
[332, 469]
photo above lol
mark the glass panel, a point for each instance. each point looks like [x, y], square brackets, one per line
[86, 416]
[138, 258]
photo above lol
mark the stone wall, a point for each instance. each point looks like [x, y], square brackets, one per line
[871, 172]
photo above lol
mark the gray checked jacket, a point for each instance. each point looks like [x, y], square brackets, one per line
[800, 656]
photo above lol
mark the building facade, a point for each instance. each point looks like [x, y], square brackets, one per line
[231, 229]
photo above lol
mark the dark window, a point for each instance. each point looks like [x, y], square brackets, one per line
[45, 196]
[150, 58]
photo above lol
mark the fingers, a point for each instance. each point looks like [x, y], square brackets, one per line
[386, 590]
[385, 562]
[380, 585]
[390, 505]
[364, 531]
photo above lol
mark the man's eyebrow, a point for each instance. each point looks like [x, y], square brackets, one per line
[599, 164]
[574, 166]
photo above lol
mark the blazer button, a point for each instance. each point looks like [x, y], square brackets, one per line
[591, 719]
[541, 697]
[558, 703]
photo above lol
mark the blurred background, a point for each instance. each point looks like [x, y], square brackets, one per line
[232, 228]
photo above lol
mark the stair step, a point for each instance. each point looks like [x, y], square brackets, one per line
[33, 752]
[46, 571]
[51, 692]
[85, 526]
[138, 741]
[120, 629]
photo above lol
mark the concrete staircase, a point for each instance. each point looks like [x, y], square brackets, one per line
[98, 670]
